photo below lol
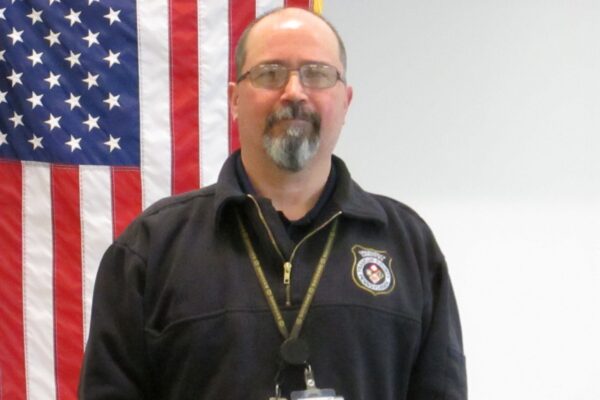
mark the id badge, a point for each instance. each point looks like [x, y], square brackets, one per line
[315, 394]
[312, 392]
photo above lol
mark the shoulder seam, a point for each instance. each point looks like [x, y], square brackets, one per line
[130, 250]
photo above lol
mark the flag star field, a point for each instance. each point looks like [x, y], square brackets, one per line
[68, 82]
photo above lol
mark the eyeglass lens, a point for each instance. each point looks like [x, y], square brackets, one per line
[275, 76]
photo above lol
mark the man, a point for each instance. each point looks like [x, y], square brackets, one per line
[285, 276]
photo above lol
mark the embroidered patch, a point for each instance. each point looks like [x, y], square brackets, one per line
[372, 270]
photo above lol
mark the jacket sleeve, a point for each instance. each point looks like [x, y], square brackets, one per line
[439, 371]
[114, 366]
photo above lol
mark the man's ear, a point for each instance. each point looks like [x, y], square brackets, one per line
[349, 94]
[232, 93]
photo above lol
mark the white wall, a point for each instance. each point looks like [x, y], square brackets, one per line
[484, 116]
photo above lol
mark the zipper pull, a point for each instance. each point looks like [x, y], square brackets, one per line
[287, 276]
[287, 272]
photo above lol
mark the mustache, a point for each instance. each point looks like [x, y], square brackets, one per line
[294, 111]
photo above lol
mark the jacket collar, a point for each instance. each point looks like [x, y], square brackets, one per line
[348, 196]
[352, 200]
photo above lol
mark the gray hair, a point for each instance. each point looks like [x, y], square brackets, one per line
[240, 49]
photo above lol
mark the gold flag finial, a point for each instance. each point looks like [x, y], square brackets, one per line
[317, 6]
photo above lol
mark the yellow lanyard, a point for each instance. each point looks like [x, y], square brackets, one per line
[310, 293]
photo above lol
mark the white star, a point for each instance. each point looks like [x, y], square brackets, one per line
[53, 122]
[112, 101]
[2, 13]
[17, 119]
[15, 35]
[35, 57]
[36, 142]
[73, 17]
[15, 78]
[35, 100]
[112, 58]
[91, 38]
[92, 122]
[52, 38]
[2, 55]
[73, 101]
[73, 58]
[3, 97]
[53, 1]
[52, 80]
[92, 1]
[91, 80]
[36, 16]
[74, 143]
[113, 143]
[113, 15]
[3, 139]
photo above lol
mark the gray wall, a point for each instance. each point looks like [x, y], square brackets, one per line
[484, 116]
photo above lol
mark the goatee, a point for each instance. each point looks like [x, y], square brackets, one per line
[298, 143]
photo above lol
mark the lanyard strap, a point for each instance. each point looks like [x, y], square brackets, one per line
[310, 293]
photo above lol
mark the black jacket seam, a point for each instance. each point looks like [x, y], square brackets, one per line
[264, 310]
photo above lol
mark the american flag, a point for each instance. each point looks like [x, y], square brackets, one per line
[105, 107]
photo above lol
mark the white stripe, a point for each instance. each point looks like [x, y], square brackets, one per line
[97, 229]
[38, 304]
[155, 146]
[263, 6]
[213, 23]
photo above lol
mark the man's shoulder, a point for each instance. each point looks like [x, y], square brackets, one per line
[396, 207]
[180, 202]
[406, 222]
[399, 214]
[172, 214]
[351, 197]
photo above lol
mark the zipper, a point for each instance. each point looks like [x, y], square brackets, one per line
[288, 288]
[287, 282]
[287, 264]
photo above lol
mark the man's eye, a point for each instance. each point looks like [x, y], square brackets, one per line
[269, 73]
[315, 74]
[316, 71]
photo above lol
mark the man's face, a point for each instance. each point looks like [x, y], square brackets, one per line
[292, 125]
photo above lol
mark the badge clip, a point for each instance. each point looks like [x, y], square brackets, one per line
[277, 394]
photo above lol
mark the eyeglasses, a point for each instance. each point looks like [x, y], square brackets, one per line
[276, 76]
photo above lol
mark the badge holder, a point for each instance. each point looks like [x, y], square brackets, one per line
[312, 391]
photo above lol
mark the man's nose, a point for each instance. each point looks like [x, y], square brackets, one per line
[293, 89]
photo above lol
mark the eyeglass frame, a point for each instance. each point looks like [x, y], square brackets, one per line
[246, 74]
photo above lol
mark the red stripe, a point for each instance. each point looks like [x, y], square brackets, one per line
[183, 25]
[126, 197]
[241, 13]
[68, 289]
[12, 345]
[297, 3]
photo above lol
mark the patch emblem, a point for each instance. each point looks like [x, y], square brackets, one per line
[372, 270]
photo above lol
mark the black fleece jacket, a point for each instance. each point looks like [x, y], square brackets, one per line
[178, 312]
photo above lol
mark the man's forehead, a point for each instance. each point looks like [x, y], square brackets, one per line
[293, 23]
[289, 20]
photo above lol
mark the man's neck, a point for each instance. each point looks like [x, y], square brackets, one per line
[292, 193]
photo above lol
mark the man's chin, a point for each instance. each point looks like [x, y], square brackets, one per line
[291, 157]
